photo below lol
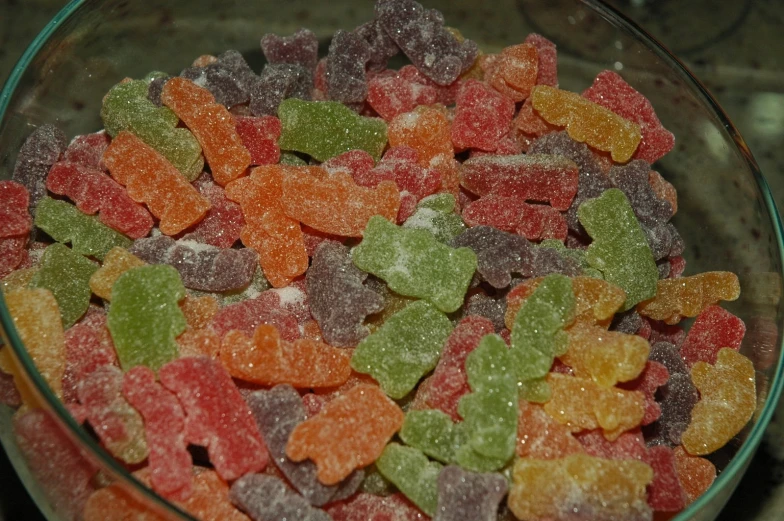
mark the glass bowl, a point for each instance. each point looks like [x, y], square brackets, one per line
[726, 214]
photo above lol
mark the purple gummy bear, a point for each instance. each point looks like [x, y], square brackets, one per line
[628, 322]
[276, 83]
[382, 47]
[421, 35]
[301, 48]
[345, 68]
[678, 245]
[277, 412]
[677, 397]
[155, 88]
[659, 239]
[632, 180]
[339, 301]
[201, 266]
[230, 79]
[265, 497]
[498, 253]
[464, 495]
[664, 268]
[491, 308]
[549, 260]
[40, 151]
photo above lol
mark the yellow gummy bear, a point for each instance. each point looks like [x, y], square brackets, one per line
[688, 296]
[115, 263]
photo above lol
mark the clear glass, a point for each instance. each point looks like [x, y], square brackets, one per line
[726, 213]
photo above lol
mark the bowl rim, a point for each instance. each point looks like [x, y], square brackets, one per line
[610, 15]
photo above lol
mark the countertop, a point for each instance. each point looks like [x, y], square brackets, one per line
[733, 47]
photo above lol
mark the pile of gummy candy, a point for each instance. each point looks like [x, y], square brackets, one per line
[334, 290]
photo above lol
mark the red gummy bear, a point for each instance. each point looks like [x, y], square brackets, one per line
[88, 346]
[652, 377]
[260, 136]
[369, 507]
[224, 221]
[532, 221]
[547, 73]
[665, 493]
[390, 95]
[629, 445]
[482, 117]
[87, 150]
[713, 329]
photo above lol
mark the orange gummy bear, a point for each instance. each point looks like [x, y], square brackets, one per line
[349, 432]
[151, 179]
[199, 342]
[579, 487]
[580, 404]
[334, 203]
[513, 72]
[115, 263]
[689, 296]
[198, 311]
[587, 122]
[212, 125]
[541, 437]
[695, 474]
[276, 237]
[268, 360]
[728, 398]
[663, 189]
[607, 357]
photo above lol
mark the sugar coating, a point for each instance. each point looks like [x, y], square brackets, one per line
[382, 46]
[300, 48]
[246, 315]
[678, 396]
[580, 485]
[492, 308]
[229, 78]
[392, 95]
[539, 436]
[224, 220]
[715, 328]
[87, 235]
[632, 180]
[413, 474]
[201, 266]
[339, 301]
[338, 446]
[118, 425]
[547, 67]
[587, 122]
[514, 71]
[345, 67]
[619, 249]
[266, 359]
[727, 402]
[13, 255]
[277, 82]
[324, 129]
[511, 214]
[212, 125]
[37, 320]
[144, 318]
[629, 445]
[653, 376]
[151, 179]
[66, 274]
[260, 136]
[15, 219]
[425, 129]
[405, 348]
[482, 117]
[413, 263]
[695, 474]
[371, 507]
[87, 150]
[422, 37]
[127, 108]
[665, 493]
[468, 495]
[434, 433]
[435, 214]
[688, 296]
[265, 497]
[88, 346]
[117, 261]
[42, 148]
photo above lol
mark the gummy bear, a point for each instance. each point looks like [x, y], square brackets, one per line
[224, 221]
[247, 315]
[713, 329]
[695, 474]
[260, 137]
[689, 296]
[511, 214]
[547, 70]
[87, 150]
[652, 377]
[413, 474]
[539, 436]
[15, 220]
[665, 493]
[482, 117]
[88, 346]
[276, 83]
[371, 507]
[116, 262]
[42, 148]
[514, 71]
[435, 213]
[466, 495]
[394, 94]
[433, 432]
[345, 67]
[266, 497]
[227, 76]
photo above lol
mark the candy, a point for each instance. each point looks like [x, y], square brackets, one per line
[689, 296]
[714, 328]
[151, 179]
[247, 315]
[300, 48]
[87, 150]
[266, 359]
[433, 432]
[629, 445]
[482, 117]
[612, 92]
[260, 137]
[224, 220]
[413, 474]
[547, 70]
[201, 266]
[467, 495]
[338, 446]
[12, 255]
[391, 96]
[64, 223]
[212, 125]
[116, 262]
[619, 248]
[371, 507]
[404, 349]
[93, 191]
[324, 129]
[727, 402]
[88, 346]
[579, 485]
[127, 108]
[277, 83]
[665, 493]
[42, 148]
[695, 474]
[265, 497]
[426, 130]
[276, 237]
[382, 46]
[334, 204]
[216, 416]
[117, 424]
[435, 213]
[37, 321]
[539, 436]
[345, 67]
[164, 428]
[632, 180]
[14, 218]
[678, 396]
[587, 122]
[654, 375]
[339, 301]
[492, 308]
[514, 71]
[228, 77]
[532, 221]
[581, 404]
[144, 318]
[421, 36]
[414, 263]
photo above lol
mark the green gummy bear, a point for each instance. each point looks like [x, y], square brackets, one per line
[126, 107]
[404, 349]
[433, 432]
[572, 253]
[537, 332]
[436, 214]
[376, 484]
[619, 249]
[87, 235]
[289, 158]
[413, 474]
[67, 275]
[325, 129]
[144, 318]
[490, 411]
[413, 263]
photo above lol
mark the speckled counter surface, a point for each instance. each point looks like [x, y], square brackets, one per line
[734, 47]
